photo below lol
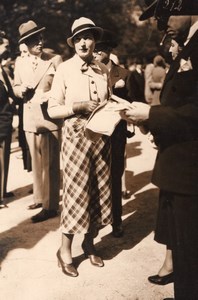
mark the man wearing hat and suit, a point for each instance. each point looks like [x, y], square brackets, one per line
[118, 79]
[33, 77]
[174, 126]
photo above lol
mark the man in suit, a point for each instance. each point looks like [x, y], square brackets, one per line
[118, 78]
[32, 82]
[6, 78]
[174, 126]
[5, 129]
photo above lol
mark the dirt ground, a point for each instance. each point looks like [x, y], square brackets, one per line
[29, 268]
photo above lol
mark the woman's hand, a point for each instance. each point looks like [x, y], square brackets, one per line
[25, 89]
[84, 106]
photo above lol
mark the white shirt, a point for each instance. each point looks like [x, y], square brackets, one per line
[192, 31]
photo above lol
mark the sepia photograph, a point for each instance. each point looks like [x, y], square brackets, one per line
[99, 150]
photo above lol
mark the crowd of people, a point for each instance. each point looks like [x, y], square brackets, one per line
[54, 100]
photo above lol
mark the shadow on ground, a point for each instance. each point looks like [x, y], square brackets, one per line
[25, 235]
[139, 224]
[142, 211]
[19, 193]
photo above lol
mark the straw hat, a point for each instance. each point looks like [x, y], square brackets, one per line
[81, 25]
[28, 29]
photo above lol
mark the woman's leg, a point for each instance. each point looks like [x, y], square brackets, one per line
[64, 256]
[167, 266]
[165, 274]
[65, 249]
[89, 248]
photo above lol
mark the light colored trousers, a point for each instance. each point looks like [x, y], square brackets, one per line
[45, 154]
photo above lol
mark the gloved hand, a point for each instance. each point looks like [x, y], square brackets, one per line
[84, 107]
[25, 89]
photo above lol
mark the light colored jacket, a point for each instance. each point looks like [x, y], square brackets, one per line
[71, 84]
[36, 118]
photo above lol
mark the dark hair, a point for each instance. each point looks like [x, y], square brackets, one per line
[33, 38]
[95, 33]
[159, 61]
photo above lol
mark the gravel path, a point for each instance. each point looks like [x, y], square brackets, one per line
[29, 268]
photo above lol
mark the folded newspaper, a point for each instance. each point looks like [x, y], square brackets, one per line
[105, 117]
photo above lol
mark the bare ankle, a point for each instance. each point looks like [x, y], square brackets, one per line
[165, 270]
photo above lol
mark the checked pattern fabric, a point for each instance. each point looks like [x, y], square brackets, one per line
[87, 184]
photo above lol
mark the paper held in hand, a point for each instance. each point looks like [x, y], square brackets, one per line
[105, 117]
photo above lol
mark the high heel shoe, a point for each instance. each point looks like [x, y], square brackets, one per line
[161, 280]
[91, 254]
[67, 269]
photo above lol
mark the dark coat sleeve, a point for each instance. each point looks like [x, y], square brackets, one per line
[5, 113]
[171, 125]
[176, 120]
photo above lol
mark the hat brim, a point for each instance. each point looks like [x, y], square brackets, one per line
[109, 44]
[30, 34]
[98, 30]
[149, 12]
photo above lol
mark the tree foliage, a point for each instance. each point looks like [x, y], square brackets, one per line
[136, 39]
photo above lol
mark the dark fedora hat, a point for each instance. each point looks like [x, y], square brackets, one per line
[28, 29]
[150, 10]
[83, 24]
[108, 39]
[164, 8]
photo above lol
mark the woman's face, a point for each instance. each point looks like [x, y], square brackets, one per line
[102, 53]
[174, 49]
[84, 44]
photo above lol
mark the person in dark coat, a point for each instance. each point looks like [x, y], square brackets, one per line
[174, 126]
[118, 78]
[27, 165]
[165, 273]
[6, 78]
[136, 82]
[5, 128]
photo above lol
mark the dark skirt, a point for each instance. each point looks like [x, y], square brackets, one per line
[177, 227]
[162, 224]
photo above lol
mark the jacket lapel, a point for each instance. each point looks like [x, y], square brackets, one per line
[42, 68]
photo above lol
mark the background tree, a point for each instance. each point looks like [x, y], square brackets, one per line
[135, 38]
